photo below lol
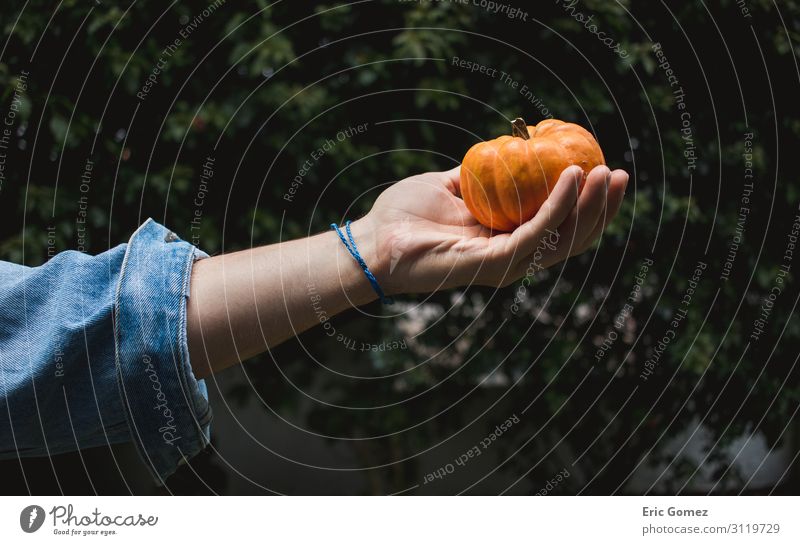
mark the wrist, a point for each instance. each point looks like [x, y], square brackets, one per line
[366, 236]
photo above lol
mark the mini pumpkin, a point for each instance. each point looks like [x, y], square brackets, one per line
[505, 181]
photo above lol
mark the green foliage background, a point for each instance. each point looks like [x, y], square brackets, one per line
[260, 86]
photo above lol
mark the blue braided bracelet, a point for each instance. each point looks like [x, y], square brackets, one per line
[350, 244]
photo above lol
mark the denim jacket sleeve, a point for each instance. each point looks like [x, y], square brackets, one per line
[93, 351]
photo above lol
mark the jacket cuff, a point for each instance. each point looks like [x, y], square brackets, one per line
[166, 407]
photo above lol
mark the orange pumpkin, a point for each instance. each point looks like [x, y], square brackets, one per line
[505, 181]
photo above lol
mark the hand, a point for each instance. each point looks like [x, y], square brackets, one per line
[418, 237]
[424, 238]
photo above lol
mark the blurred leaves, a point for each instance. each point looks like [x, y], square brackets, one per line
[243, 88]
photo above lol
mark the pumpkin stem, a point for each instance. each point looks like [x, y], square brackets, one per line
[520, 129]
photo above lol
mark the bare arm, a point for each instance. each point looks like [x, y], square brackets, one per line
[418, 237]
[244, 302]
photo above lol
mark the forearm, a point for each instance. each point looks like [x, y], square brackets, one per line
[245, 302]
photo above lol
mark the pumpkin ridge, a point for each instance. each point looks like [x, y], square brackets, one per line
[513, 195]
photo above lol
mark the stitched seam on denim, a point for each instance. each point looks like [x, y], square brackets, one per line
[137, 440]
[183, 348]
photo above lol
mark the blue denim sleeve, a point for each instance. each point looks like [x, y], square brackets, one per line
[93, 351]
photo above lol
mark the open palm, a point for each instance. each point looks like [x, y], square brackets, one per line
[433, 242]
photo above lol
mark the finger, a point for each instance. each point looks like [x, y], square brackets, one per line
[553, 212]
[584, 217]
[616, 193]
[571, 235]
